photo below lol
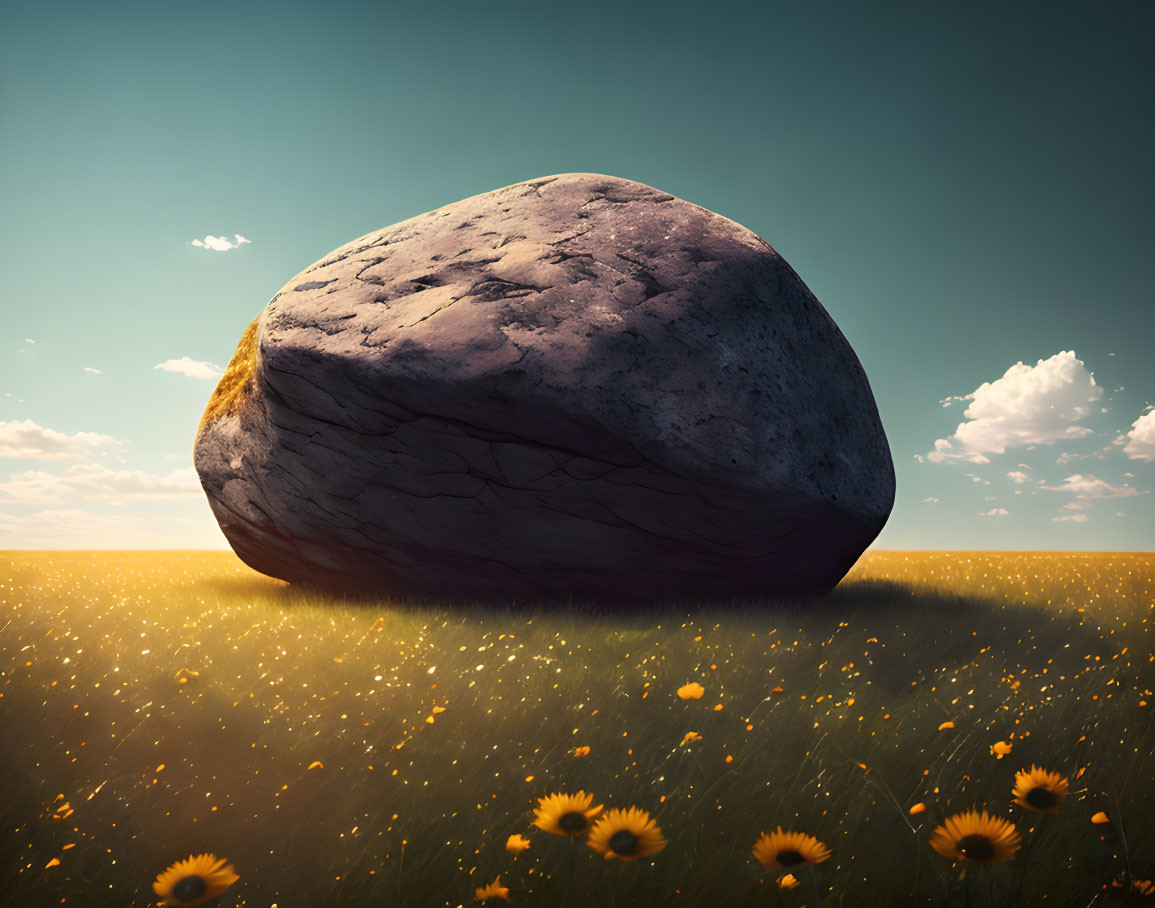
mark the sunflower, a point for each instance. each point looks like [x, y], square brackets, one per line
[789, 849]
[195, 880]
[564, 814]
[1038, 790]
[626, 835]
[976, 838]
[493, 891]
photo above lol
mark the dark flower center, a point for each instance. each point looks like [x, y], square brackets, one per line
[790, 858]
[188, 888]
[624, 842]
[1041, 798]
[574, 821]
[976, 848]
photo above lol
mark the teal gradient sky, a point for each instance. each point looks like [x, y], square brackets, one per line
[962, 186]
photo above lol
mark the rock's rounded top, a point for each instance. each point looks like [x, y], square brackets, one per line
[594, 315]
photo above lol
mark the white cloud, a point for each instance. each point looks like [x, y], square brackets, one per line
[1073, 518]
[90, 369]
[95, 482]
[26, 439]
[1073, 506]
[995, 512]
[77, 529]
[935, 500]
[1098, 454]
[1141, 438]
[1029, 405]
[1120, 513]
[1018, 477]
[1089, 487]
[219, 243]
[191, 367]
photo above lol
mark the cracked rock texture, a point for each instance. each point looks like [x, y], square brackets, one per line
[573, 387]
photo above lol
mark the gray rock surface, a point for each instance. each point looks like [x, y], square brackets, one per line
[576, 386]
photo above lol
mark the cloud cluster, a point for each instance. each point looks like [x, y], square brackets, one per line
[219, 243]
[995, 512]
[1029, 405]
[26, 439]
[1089, 487]
[184, 522]
[191, 367]
[1098, 454]
[95, 482]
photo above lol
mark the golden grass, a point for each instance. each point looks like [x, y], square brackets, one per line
[156, 705]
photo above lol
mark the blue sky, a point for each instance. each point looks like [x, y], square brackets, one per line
[964, 187]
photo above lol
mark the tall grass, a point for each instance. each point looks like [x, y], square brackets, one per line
[829, 723]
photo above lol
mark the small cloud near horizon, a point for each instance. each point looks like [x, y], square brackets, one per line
[1073, 518]
[191, 367]
[95, 482]
[93, 371]
[74, 528]
[29, 441]
[995, 512]
[219, 243]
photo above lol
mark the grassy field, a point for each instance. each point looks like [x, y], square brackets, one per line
[158, 704]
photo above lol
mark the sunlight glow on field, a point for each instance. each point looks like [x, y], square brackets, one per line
[157, 705]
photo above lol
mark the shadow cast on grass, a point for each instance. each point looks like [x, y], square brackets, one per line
[925, 614]
[921, 625]
[848, 598]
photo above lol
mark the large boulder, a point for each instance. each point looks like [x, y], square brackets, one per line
[573, 387]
